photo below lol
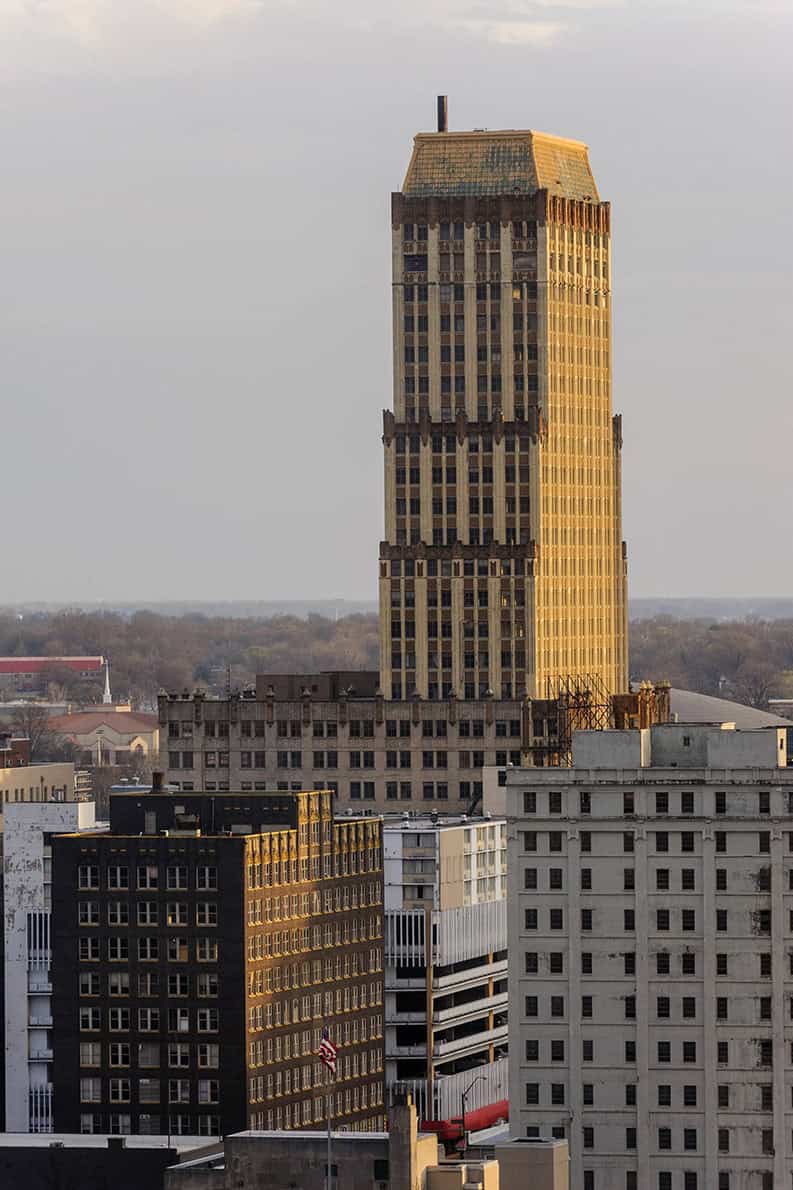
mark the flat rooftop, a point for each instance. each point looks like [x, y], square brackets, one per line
[95, 1140]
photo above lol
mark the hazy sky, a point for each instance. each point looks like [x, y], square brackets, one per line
[194, 276]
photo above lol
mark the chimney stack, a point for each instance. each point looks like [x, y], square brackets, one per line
[443, 113]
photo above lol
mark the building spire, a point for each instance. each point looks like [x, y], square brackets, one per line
[107, 697]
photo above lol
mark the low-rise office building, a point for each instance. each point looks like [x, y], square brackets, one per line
[200, 946]
[336, 731]
[650, 933]
[446, 963]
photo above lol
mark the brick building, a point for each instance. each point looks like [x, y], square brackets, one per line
[199, 947]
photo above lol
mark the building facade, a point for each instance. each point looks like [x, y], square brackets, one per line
[27, 954]
[364, 748]
[651, 944]
[446, 962]
[503, 567]
[42, 783]
[200, 946]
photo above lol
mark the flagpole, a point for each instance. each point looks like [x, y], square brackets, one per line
[330, 1093]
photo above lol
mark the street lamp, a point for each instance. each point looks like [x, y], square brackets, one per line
[480, 1078]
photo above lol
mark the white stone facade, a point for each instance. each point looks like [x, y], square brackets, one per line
[27, 877]
[651, 958]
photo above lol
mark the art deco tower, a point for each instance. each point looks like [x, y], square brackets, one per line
[503, 567]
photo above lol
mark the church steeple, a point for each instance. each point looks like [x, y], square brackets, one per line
[107, 697]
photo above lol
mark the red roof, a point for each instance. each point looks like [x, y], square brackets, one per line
[123, 722]
[37, 665]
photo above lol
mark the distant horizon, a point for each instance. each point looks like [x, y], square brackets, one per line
[347, 604]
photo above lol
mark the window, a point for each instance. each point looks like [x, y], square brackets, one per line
[689, 1008]
[532, 1094]
[629, 963]
[629, 879]
[588, 1094]
[88, 876]
[723, 1053]
[557, 1051]
[586, 919]
[721, 880]
[630, 1138]
[630, 1051]
[662, 919]
[662, 1006]
[585, 840]
[557, 1094]
[630, 1008]
[687, 802]
[723, 1095]
[530, 878]
[586, 1006]
[664, 1051]
[556, 919]
[531, 1006]
[586, 879]
[664, 1138]
[664, 1095]
[687, 880]
[662, 965]
[688, 919]
[661, 841]
[689, 1096]
[764, 842]
[721, 964]
[557, 1005]
[90, 1020]
[630, 1094]
[530, 919]
[629, 920]
[589, 1138]
[724, 1140]
[689, 1051]
[688, 963]
[587, 1050]
[556, 962]
[532, 1051]
[627, 842]
[532, 963]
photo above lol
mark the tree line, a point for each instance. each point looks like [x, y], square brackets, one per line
[747, 660]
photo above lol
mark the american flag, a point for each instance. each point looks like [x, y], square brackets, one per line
[328, 1051]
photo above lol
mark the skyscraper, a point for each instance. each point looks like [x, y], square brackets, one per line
[503, 567]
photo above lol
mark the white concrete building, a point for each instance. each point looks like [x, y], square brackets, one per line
[651, 958]
[446, 962]
[27, 876]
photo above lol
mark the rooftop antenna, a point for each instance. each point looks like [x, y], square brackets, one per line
[443, 113]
